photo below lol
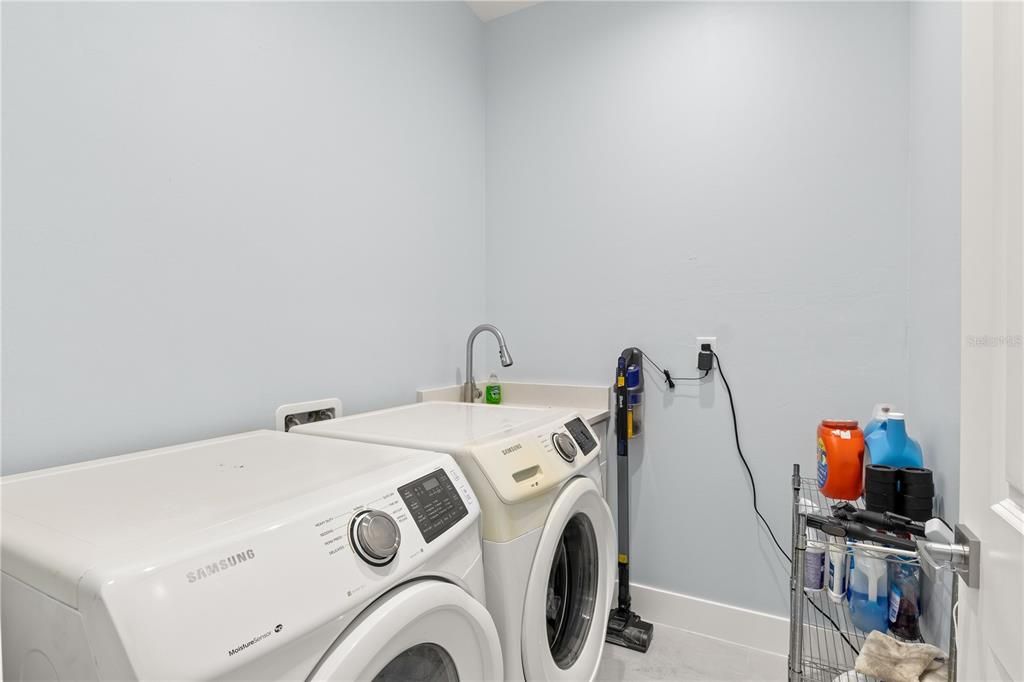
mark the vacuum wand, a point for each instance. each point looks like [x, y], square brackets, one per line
[841, 528]
[622, 462]
[625, 627]
[889, 521]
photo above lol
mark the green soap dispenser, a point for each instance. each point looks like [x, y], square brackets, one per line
[492, 391]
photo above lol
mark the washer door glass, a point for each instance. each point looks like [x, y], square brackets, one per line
[572, 591]
[569, 590]
[421, 663]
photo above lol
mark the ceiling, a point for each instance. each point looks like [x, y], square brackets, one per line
[492, 9]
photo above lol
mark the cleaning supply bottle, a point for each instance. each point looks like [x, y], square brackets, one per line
[891, 446]
[905, 601]
[836, 578]
[851, 561]
[492, 391]
[840, 459]
[814, 566]
[814, 555]
[869, 592]
[879, 416]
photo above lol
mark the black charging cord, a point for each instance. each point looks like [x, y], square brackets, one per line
[669, 379]
[704, 361]
[753, 491]
[739, 450]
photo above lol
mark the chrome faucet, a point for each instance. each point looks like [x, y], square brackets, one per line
[469, 390]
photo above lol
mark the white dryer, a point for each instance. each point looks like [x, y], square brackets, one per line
[258, 556]
[549, 547]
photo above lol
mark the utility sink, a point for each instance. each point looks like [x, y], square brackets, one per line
[592, 402]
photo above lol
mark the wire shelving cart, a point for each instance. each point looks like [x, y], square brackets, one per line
[823, 641]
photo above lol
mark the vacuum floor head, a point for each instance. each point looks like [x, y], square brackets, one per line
[626, 629]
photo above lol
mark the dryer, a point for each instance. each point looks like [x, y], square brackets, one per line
[549, 547]
[263, 555]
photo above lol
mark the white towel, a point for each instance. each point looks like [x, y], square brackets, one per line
[888, 659]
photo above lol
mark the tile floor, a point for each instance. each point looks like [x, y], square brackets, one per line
[681, 655]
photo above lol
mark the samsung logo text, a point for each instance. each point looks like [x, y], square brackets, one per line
[219, 566]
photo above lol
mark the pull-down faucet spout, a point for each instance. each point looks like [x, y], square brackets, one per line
[469, 390]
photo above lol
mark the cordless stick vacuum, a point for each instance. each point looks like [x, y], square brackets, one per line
[625, 627]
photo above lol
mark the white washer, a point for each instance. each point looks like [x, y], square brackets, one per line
[549, 547]
[258, 556]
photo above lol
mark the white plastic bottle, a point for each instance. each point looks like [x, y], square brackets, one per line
[837, 563]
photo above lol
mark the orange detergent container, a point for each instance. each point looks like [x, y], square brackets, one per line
[840, 459]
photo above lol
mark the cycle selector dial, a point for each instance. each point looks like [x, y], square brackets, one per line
[375, 537]
[564, 446]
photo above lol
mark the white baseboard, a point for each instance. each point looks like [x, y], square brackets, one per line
[752, 629]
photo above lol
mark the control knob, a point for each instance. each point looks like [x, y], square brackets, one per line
[375, 537]
[564, 446]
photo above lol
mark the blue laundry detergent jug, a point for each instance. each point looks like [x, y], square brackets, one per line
[879, 416]
[892, 446]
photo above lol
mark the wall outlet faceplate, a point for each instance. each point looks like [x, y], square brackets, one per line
[294, 414]
[701, 340]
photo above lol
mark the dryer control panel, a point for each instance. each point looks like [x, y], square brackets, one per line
[532, 462]
[434, 503]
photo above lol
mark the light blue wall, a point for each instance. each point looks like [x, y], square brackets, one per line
[933, 325]
[933, 329]
[661, 171]
[210, 209]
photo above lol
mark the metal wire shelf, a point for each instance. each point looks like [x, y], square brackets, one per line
[824, 642]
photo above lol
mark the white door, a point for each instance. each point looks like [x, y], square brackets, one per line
[425, 631]
[568, 595]
[990, 633]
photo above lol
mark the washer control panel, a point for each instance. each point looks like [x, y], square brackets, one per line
[434, 503]
[539, 457]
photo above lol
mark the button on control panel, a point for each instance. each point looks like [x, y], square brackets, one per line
[434, 503]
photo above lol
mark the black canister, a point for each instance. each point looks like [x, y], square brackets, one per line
[881, 488]
[916, 493]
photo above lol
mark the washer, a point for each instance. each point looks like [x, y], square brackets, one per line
[549, 547]
[263, 555]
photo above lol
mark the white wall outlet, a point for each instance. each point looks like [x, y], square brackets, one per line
[293, 414]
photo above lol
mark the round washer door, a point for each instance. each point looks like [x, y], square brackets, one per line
[424, 631]
[569, 591]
